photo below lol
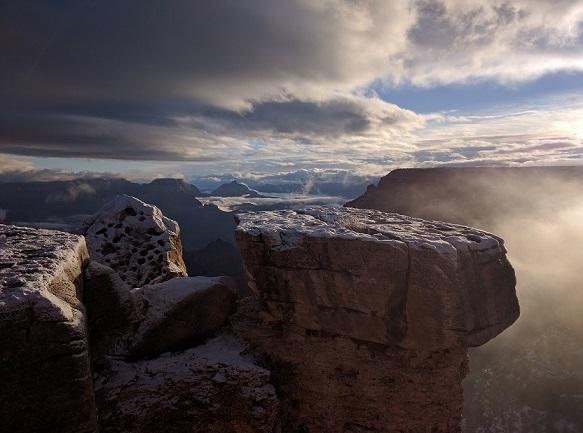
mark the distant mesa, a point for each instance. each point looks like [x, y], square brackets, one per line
[472, 195]
[173, 185]
[236, 189]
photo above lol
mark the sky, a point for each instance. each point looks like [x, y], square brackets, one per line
[183, 88]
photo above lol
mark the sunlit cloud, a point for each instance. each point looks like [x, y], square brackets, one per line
[291, 83]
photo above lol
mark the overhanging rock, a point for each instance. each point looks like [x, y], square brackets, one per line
[350, 299]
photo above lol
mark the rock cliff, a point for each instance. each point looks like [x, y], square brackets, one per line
[359, 322]
[529, 380]
[44, 360]
[473, 195]
[367, 315]
[148, 321]
[161, 357]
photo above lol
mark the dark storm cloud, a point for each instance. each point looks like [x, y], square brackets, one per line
[70, 51]
[193, 134]
[162, 79]
[57, 135]
[200, 80]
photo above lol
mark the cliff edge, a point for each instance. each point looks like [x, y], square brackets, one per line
[366, 316]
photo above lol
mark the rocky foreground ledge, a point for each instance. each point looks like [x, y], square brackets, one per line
[366, 316]
[45, 374]
[359, 322]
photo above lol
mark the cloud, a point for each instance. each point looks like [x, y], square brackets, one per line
[232, 82]
[455, 41]
[59, 135]
[226, 54]
[9, 163]
[71, 193]
[22, 169]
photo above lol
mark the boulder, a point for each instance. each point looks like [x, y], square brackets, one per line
[212, 388]
[180, 312]
[153, 319]
[368, 315]
[44, 362]
[136, 241]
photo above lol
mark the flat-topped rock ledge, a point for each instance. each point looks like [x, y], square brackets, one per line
[369, 314]
[380, 277]
[43, 340]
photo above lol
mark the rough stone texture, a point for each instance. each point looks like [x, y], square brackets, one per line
[213, 388]
[111, 313]
[45, 374]
[378, 277]
[153, 319]
[135, 240]
[367, 315]
[180, 312]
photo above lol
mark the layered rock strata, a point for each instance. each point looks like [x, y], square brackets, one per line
[365, 317]
[44, 361]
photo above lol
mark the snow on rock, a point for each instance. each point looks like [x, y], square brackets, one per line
[135, 240]
[180, 311]
[211, 388]
[388, 278]
[368, 315]
[44, 361]
[153, 319]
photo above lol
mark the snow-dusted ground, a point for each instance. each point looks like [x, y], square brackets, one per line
[285, 227]
[29, 260]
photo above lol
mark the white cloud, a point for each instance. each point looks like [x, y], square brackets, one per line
[241, 85]
[9, 163]
[455, 41]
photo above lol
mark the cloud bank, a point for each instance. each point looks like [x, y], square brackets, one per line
[177, 80]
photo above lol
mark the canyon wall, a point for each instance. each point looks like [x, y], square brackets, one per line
[529, 379]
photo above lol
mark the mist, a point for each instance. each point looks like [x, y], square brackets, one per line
[529, 378]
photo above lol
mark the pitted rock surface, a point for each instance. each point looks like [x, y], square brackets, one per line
[135, 240]
[44, 360]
